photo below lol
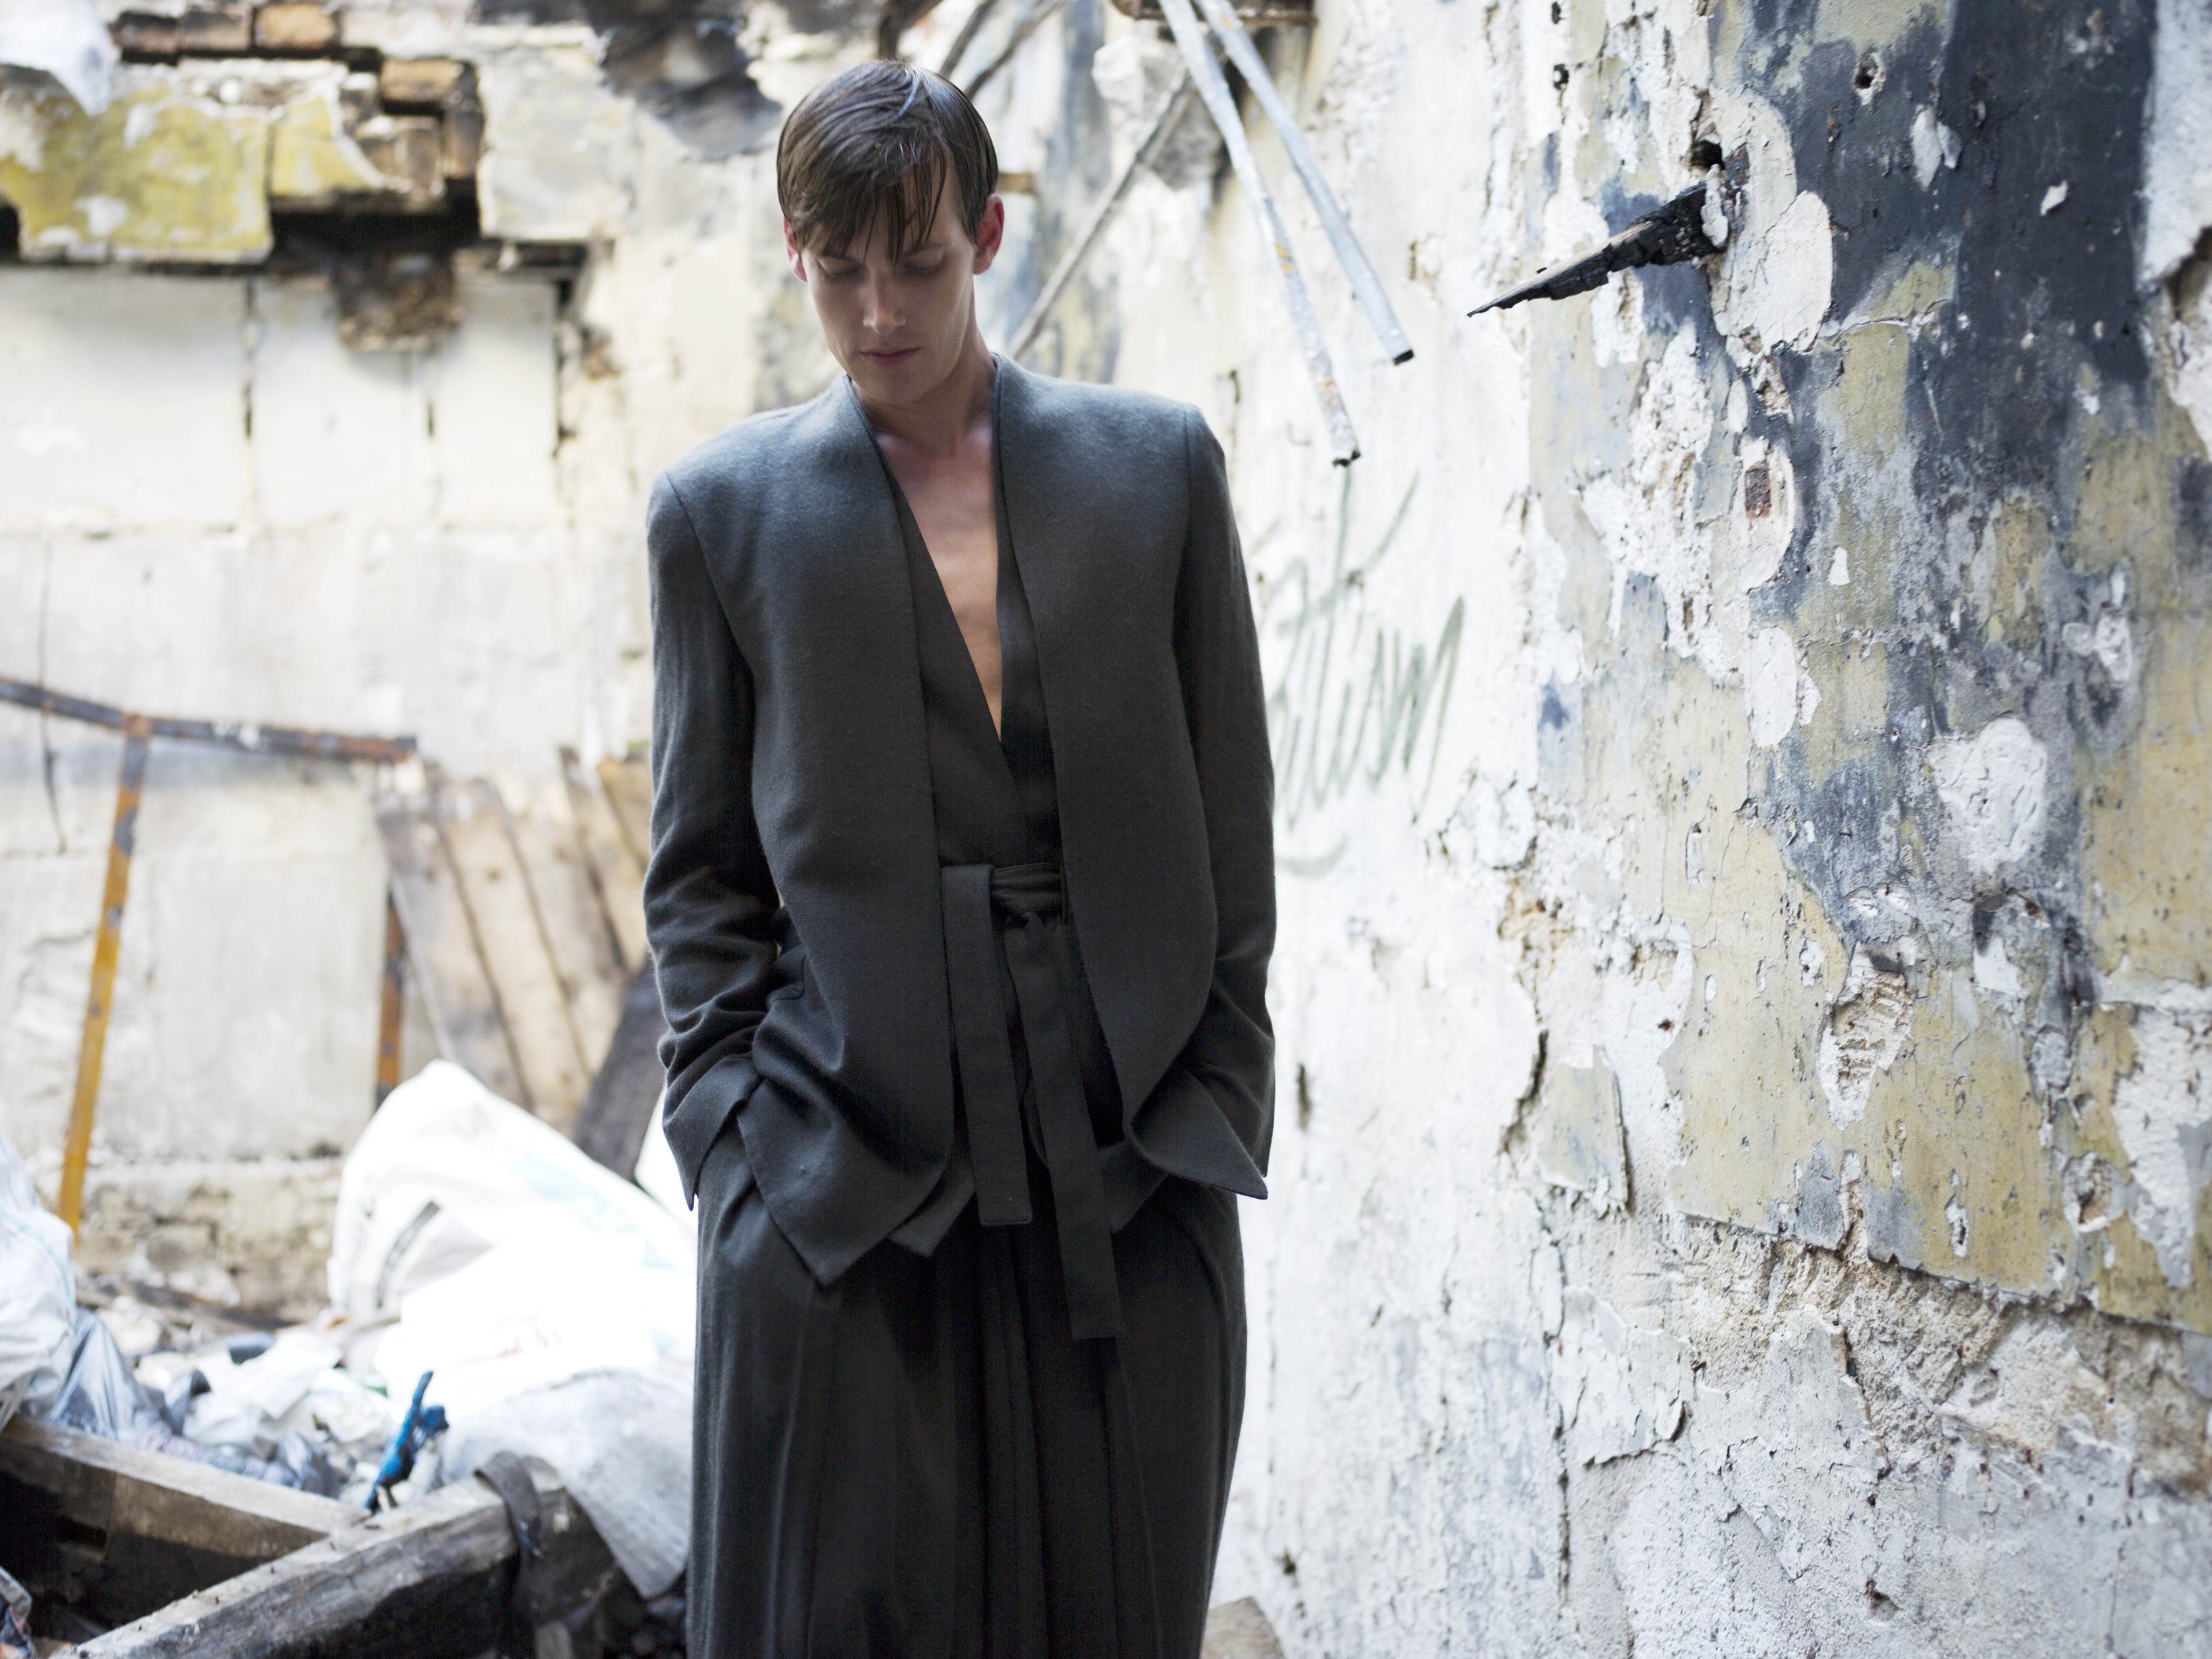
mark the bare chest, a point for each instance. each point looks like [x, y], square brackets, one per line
[953, 507]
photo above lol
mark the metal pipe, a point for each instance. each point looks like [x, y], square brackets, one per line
[1155, 135]
[1213, 86]
[1365, 285]
[1030, 25]
[226, 734]
[92, 1050]
[969, 28]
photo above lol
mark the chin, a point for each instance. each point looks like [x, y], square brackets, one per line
[893, 382]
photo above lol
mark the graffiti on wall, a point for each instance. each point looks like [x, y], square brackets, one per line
[1355, 699]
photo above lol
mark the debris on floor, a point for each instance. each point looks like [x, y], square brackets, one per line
[15, 1620]
[528, 1302]
[38, 1299]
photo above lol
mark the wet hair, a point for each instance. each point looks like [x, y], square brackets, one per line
[870, 147]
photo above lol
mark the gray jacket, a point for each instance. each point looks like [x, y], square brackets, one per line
[792, 898]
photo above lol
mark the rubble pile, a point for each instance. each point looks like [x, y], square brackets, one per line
[493, 1291]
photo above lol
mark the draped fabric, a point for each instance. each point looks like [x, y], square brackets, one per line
[1007, 1433]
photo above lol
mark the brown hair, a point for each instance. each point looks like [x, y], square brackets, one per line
[871, 146]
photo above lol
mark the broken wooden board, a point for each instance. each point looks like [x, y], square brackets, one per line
[441, 944]
[578, 932]
[526, 924]
[429, 1581]
[628, 784]
[122, 1531]
[510, 931]
[617, 866]
[624, 1095]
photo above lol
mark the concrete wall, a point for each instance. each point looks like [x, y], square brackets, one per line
[212, 506]
[1744, 1179]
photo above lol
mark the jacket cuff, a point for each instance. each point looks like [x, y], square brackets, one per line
[1182, 1129]
[696, 1122]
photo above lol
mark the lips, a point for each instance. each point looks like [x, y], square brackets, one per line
[888, 359]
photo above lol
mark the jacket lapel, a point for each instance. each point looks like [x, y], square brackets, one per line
[1090, 541]
[873, 831]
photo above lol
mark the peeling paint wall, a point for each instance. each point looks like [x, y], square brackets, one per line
[1745, 1179]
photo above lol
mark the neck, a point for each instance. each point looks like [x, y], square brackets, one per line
[941, 418]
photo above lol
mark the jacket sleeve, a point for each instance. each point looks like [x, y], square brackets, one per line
[710, 902]
[1231, 1055]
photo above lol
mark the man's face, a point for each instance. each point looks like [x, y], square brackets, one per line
[897, 322]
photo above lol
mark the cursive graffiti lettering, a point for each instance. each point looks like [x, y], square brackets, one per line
[1355, 700]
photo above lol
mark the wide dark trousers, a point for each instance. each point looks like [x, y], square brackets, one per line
[919, 1463]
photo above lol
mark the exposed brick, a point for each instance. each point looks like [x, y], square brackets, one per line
[293, 26]
[419, 83]
[465, 129]
[143, 37]
[215, 32]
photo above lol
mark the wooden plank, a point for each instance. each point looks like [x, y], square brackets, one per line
[120, 1531]
[428, 1580]
[628, 784]
[619, 871]
[112, 1486]
[611, 1127]
[441, 944]
[582, 943]
[511, 932]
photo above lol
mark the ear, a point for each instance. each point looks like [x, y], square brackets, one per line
[793, 252]
[990, 233]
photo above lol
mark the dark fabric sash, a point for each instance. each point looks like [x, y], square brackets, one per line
[1022, 909]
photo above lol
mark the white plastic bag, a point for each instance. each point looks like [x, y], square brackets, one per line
[38, 1294]
[511, 1258]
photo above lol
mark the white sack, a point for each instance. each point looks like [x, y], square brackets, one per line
[656, 1170]
[66, 39]
[38, 1293]
[621, 1443]
[511, 1258]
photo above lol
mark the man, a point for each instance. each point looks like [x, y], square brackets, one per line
[962, 900]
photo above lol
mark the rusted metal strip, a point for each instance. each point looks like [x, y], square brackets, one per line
[390, 1015]
[93, 1049]
[1365, 285]
[138, 730]
[227, 734]
[1213, 86]
[1040, 313]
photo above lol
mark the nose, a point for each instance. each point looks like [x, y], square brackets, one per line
[881, 312]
